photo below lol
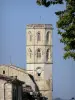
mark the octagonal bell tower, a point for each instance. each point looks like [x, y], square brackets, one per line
[39, 56]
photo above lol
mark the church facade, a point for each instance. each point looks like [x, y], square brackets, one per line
[39, 56]
[38, 72]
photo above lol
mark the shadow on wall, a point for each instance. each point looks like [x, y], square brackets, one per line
[64, 99]
[36, 86]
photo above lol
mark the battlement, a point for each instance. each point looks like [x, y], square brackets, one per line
[39, 26]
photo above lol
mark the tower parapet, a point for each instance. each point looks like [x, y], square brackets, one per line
[38, 26]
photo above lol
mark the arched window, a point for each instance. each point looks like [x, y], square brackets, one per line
[47, 36]
[38, 53]
[30, 52]
[38, 36]
[30, 36]
[48, 54]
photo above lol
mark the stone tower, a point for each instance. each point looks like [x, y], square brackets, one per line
[39, 56]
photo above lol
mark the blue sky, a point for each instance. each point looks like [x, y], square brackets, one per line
[14, 15]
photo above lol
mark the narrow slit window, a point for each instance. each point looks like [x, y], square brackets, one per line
[30, 52]
[3, 71]
[48, 36]
[38, 36]
[38, 53]
[48, 54]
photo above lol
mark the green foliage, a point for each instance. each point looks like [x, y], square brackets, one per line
[65, 25]
[47, 3]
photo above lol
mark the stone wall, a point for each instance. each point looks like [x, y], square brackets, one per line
[5, 90]
[11, 70]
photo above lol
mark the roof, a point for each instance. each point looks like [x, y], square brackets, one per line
[16, 68]
[12, 79]
[13, 66]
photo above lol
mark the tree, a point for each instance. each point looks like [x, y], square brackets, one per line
[65, 24]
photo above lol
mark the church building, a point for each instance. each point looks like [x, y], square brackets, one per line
[38, 72]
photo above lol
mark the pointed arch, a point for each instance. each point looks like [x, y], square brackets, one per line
[48, 36]
[38, 53]
[38, 36]
[30, 53]
[30, 35]
[48, 54]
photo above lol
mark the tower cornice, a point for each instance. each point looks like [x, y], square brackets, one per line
[39, 26]
[40, 63]
[39, 45]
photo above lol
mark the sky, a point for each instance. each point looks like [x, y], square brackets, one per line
[14, 16]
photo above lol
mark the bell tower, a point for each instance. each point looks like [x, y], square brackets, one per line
[39, 56]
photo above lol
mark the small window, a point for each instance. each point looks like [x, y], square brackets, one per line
[3, 71]
[48, 54]
[38, 53]
[30, 36]
[47, 36]
[38, 36]
[30, 52]
[38, 74]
